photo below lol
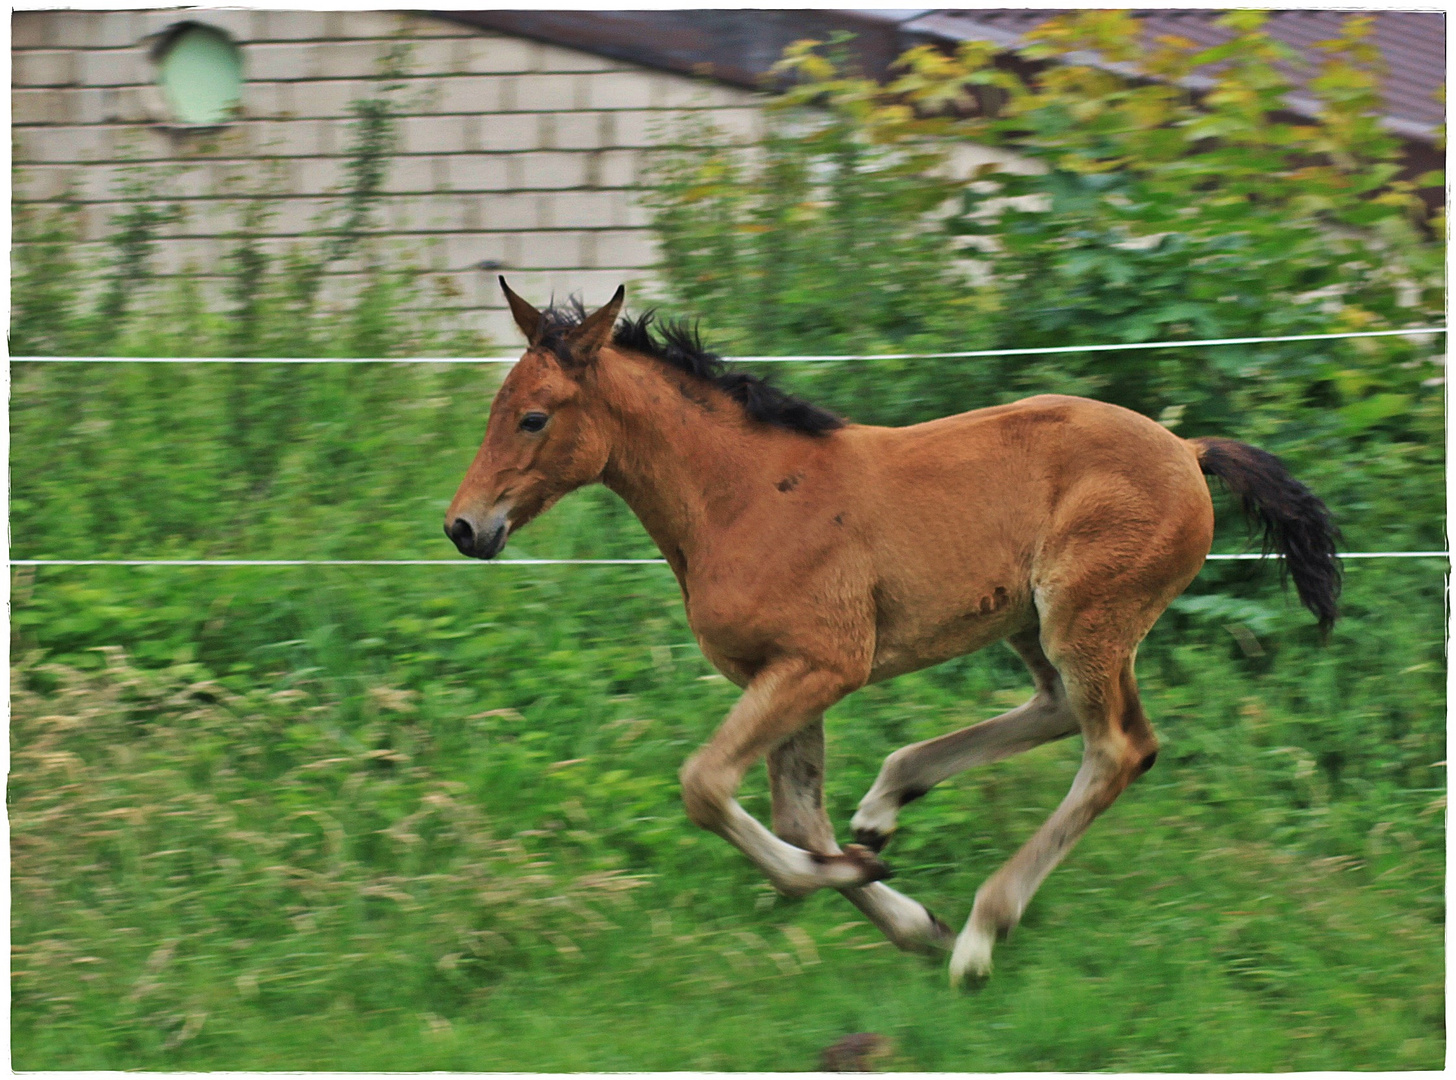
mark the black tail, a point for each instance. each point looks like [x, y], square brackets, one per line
[1295, 523]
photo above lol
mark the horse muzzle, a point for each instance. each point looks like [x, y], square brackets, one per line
[483, 541]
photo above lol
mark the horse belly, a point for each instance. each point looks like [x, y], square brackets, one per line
[912, 635]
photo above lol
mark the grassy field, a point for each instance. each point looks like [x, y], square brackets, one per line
[427, 818]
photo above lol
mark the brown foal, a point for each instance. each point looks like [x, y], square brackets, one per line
[816, 556]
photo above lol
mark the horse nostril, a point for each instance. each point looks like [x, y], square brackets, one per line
[463, 535]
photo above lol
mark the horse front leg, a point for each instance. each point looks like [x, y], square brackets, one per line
[796, 780]
[779, 701]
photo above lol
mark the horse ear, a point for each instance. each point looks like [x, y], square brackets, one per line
[596, 329]
[527, 317]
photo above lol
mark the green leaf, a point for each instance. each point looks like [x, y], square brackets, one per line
[1360, 415]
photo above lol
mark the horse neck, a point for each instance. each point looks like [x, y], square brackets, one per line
[681, 449]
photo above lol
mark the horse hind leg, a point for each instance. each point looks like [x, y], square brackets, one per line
[911, 771]
[796, 781]
[1119, 746]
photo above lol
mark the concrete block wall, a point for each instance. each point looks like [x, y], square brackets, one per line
[511, 150]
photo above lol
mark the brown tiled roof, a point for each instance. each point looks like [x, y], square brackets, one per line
[1412, 45]
[740, 45]
[735, 45]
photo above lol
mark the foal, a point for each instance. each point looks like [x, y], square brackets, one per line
[815, 556]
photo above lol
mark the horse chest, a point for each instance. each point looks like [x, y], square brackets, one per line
[730, 623]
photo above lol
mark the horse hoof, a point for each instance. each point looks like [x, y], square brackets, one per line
[970, 963]
[870, 865]
[969, 981]
[872, 839]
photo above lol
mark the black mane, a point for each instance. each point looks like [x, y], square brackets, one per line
[677, 344]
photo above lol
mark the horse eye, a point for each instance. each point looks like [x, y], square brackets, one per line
[533, 421]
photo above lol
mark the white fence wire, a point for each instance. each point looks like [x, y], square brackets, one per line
[1254, 555]
[968, 354]
[337, 562]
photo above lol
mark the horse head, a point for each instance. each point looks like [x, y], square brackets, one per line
[542, 440]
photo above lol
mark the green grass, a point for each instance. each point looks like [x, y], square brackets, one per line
[1096, 982]
[428, 817]
[349, 865]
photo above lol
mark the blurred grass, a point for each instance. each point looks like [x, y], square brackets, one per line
[461, 847]
[427, 817]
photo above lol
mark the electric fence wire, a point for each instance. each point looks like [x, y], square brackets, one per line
[564, 562]
[967, 354]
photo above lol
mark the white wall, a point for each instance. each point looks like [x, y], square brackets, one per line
[512, 150]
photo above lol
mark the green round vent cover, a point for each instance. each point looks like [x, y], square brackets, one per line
[201, 75]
